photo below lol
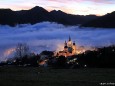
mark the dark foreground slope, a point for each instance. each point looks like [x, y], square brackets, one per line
[39, 14]
[34, 76]
[100, 58]
[106, 21]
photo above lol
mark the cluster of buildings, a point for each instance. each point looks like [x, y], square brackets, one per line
[69, 49]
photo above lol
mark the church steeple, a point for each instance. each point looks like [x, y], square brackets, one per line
[65, 43]
[69, 38]
[65, 47]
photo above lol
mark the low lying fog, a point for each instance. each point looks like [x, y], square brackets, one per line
[51, 36]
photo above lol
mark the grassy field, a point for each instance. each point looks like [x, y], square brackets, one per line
[35, 76]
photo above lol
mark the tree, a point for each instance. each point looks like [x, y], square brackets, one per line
[22, 49]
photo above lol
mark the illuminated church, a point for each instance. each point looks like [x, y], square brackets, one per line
[69, 49]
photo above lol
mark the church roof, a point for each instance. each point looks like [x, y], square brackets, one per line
[74, 43]
[65, 47]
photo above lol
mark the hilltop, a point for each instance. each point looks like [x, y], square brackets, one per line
[106, 21]
[39, 14]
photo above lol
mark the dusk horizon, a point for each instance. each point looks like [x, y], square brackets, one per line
[76, 7]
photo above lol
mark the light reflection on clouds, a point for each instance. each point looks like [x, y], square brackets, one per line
[51, 36]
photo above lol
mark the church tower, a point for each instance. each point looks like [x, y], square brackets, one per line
[74, 48]
[69, 45]
[65, 47]
[69, 42]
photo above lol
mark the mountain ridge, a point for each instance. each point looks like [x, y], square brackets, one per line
[38, 14]
[106, 21]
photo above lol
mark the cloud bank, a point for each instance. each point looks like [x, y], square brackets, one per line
[51, 36]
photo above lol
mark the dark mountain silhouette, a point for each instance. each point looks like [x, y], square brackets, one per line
[7, 16]
[106, 21]
[39, 14]
[69, 19]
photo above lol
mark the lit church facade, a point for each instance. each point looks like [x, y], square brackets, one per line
[69, 49]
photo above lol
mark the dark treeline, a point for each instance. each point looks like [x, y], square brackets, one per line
[102, 57]
[27, 61]
[99, 58]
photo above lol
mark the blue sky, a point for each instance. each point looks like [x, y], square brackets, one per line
[82, 7]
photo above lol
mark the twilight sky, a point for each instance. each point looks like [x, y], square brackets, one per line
[82, 7]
